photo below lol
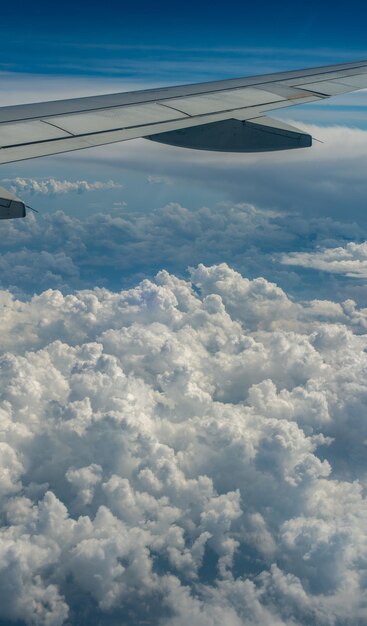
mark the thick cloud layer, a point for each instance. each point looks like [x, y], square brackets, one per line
[118, 248]
[183, 452]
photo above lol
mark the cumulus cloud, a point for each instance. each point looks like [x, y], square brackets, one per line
[350, 260]
[52, 186]
[184, 451]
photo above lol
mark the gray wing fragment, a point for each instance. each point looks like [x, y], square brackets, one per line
[10, 205]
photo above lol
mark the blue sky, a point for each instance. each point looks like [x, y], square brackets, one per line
[91, 38]
[147, 23]
[183, 335]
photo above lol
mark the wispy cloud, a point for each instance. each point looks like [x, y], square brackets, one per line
[170, 62]
[52, 186]
[350, 260]
[159, 180]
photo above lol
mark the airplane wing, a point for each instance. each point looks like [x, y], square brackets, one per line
[227, 115]
[188, 115]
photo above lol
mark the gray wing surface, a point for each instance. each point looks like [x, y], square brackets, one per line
[227, 115]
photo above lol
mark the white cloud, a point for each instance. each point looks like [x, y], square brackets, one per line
[52, 186]
[182, 452]
[159, 180]
[350, 260]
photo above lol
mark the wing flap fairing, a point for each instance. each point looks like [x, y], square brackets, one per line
[260, 135]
